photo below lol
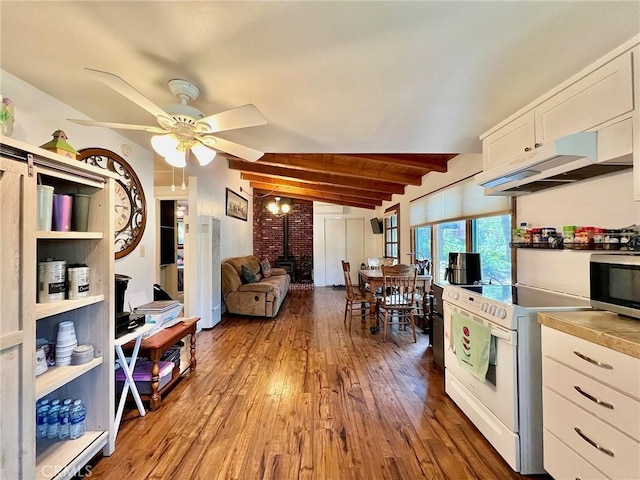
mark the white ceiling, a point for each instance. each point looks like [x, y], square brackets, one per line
[374, 77]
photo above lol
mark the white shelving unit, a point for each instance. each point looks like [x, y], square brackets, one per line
[23, 320]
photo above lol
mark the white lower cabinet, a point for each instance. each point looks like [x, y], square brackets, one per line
[564, 462]
[591, 416]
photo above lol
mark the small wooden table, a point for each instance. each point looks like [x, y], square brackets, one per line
[155, 345]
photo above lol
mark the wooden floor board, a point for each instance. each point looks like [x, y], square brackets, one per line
[303, 397]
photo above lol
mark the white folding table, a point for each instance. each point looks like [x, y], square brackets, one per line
[128, 369]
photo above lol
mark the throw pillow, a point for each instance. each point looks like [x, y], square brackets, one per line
[247, 275]
[265, 266]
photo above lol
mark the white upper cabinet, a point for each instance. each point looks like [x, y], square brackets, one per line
[594, 98]
[604, 94]
[511, 141]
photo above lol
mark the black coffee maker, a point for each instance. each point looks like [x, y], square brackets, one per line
[463, 269]
[125, 321]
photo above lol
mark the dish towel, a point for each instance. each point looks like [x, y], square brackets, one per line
[472, 344]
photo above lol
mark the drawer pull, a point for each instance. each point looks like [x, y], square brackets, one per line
[591, 360]
[592, 443]
[592, 398]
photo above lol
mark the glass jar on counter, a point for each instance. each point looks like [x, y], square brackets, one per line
[611, 239]
[625, 236]
[569, 233]
[584, 238]
[598, 237]
[536, 236]
[547, 234]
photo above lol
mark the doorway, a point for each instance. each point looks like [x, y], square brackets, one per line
[170, 243]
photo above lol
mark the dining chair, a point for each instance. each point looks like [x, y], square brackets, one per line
[398, 302]
[356, 299]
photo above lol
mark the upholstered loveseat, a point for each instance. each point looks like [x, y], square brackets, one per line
[262, 298]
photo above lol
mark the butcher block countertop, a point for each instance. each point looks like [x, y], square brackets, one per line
[618, 333]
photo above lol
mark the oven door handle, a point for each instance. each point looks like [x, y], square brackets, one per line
[501, 334]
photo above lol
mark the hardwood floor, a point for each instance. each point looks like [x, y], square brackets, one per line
[300, 396]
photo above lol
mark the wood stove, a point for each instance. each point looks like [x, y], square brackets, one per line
[285, 261]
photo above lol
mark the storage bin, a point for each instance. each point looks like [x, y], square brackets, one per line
[142, 376]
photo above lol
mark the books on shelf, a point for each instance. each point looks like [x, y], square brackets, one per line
[157, 306]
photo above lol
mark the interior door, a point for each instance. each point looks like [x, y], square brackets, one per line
[17, 336]
[335, 250]
[354, 245]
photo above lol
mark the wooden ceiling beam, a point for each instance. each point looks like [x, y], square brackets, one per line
[337, 198]
[323, 199]
[436, 162]
[345, 165]
[316, 177]
[318, 187]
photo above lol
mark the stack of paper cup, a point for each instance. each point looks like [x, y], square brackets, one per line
[65, 343]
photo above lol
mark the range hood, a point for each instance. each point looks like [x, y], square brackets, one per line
[566, 160]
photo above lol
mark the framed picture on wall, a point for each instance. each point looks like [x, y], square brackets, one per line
[237, 206]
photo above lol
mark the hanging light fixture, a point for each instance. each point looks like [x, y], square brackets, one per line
[277, 208]
[174, 150]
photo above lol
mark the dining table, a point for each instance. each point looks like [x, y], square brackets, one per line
[375, 279]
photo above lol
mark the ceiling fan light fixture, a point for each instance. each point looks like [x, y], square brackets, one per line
[177, 158]
[165, 144]
[205, 155]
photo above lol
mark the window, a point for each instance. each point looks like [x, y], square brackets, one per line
[491, 236]
[450, 237]
[459, 218]
[392, 233]
[422, 243]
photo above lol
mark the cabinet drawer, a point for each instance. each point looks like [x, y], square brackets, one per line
[615, 408]
[609, 450]
[604, 94]
[563, 463]
[616, 369]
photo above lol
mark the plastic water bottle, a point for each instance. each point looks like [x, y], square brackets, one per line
[77, 421]
[52, 419]
[42, 411]
[64, 427]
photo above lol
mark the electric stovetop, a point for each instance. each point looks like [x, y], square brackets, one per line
[527, 297]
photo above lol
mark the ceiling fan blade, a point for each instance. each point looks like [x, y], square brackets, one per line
[123, 126]
[246, 153]
[240, 117]
[126, 90]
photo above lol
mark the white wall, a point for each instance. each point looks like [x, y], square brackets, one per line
[605, 202]
[236, 236]
[38, 115]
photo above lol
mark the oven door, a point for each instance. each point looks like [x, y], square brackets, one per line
[498, 395]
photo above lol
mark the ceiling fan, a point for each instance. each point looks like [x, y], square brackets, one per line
[183, 128]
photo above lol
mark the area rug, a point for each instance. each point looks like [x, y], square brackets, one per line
[301, 286]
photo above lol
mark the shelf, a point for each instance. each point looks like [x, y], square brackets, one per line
[44, 310]
[573, 248]
[46, 235]
[56, 377]
[62, 459]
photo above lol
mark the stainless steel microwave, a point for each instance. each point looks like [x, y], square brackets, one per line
[615, 283]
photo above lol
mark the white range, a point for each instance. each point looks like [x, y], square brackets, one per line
[507, 405]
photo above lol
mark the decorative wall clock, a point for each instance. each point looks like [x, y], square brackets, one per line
[130, 205]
